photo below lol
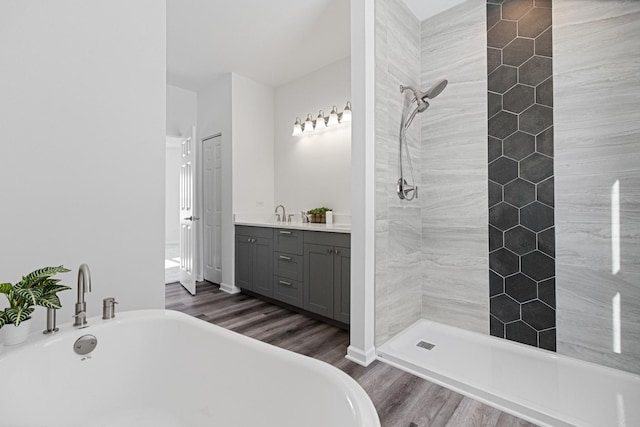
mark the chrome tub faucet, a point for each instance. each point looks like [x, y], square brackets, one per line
[279, 218]
[84, 285]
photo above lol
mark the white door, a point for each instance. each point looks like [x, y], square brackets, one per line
[212, 216]
[187, 211]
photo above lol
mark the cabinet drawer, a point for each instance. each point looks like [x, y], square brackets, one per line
[289, 241]
[325, 238]
[247, 230]
[287, 290]
[288, 265]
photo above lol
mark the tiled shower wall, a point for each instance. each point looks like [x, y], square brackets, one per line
[597, 116]
[521, 183]
[453, 195]
[398, 267]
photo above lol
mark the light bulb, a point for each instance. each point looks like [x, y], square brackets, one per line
[320, 123]
[346, 114]
[308, 124]
[333, 117]
[297, 127]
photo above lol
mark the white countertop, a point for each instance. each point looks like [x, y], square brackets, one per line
[332, 228]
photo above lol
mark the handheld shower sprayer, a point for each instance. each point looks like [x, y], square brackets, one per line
[405, 190]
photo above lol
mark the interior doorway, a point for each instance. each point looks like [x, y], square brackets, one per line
[212, 207]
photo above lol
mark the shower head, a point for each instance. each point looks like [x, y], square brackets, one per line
[436, 89]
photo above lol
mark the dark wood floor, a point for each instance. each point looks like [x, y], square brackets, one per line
[401, 399]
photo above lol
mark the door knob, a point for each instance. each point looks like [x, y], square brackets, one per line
[191, 218]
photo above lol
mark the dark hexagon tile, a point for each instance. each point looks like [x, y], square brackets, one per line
[504, 262]
[547, 292]
[503, 216]
[519, 145]
[537, 265]
[501, 34]
[539, 315]
[544, 44]
[493, 15]
[545, 191]
[495, 148]
[494, 103]
[534, 23]
[520, 240]
[522, 333]
[503, 124]
[494, 59]
[496, 284]
[504, 308]
[544, 142]
[502, 79]
[542, 3]
[519, 193]
[520, 288]
[516, 9]
[536, 216]
[547, 242]
[518, 98]
[536, 167]
[544, 93]
[503, 170]
[496, 240]
[496, 327]
[518, 51]
[547, 339]
[495, 193]
[535, 71]
[535, 119]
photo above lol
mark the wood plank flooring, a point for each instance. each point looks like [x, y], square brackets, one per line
[401, 399]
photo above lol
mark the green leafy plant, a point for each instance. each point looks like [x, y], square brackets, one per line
[319, 211]
[35, 289]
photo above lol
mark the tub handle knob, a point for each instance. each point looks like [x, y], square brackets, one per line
[109, 308]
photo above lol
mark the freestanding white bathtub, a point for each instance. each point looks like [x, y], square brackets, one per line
[163, 368]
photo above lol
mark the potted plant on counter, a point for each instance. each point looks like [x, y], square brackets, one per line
[319, 215]
[35, 289]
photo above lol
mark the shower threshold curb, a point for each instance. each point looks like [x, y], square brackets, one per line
[536, 385]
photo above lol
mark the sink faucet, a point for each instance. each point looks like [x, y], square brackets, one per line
[84, 285]
[284, 216]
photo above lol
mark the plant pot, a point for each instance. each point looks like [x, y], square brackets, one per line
[12, 335]
[320, 219]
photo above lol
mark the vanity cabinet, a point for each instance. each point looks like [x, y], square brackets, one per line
[327, 274]
[254, 262]
[310, 270]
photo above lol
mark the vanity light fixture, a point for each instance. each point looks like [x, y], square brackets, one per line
[322, 121]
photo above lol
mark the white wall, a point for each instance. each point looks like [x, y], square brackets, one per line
[313, 171]
[172, 191]
[82, 154]
[182, 111]
[252, 129]
[214, 117]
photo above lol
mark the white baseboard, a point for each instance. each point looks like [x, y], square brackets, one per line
[361, 357]
[230, 289]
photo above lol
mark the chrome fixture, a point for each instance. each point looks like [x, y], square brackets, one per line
[51, 321]
[304, 217]
[289, 218]
[85, 345]
[310, 124]
[405, 190]
[84, 285]
[109, 308]
[279, 218]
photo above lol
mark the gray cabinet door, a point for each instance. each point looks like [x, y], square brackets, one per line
[342, 285]
[244, 264]
[262, 266]
[318, 279]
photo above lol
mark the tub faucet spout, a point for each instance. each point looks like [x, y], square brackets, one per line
[84, 285]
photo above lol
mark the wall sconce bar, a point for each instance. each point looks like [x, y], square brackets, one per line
[333, 119]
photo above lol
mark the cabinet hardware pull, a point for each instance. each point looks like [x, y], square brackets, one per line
[337, 252]
[284, 232]
[285, 283]
[249, 240]
[287, 258]
[330, 251]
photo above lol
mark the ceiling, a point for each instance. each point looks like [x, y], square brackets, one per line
[273, 42]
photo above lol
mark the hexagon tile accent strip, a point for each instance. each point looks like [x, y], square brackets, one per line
[521, 196]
